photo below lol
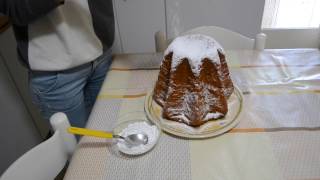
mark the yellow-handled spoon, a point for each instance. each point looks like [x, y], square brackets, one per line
[132, 139]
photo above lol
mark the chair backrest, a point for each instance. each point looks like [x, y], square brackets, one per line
[48, 158]
[228, 39]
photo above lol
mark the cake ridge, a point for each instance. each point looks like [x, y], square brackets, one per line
[194, 47]
[193, 85]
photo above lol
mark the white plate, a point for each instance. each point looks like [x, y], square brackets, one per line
[209, 129]
[129, 119]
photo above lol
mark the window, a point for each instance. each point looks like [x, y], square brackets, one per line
[291, 14]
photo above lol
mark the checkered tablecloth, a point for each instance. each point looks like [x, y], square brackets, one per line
[278, 136]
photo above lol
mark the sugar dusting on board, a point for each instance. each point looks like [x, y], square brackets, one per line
[195, 48]
[139, 128]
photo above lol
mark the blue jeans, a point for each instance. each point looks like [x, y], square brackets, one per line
[71, 91]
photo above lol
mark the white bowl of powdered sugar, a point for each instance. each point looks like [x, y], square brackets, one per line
[137, 125]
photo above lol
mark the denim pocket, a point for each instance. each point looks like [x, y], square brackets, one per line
[44, 83]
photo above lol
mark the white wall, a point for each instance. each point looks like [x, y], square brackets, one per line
[18, 132]
[138, 20]
[117, 46]
[242, 16]
[19, 76]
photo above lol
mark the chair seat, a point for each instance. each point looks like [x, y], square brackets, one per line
[48, 158]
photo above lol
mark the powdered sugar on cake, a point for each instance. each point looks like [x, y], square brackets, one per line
[195, 48]
[193, 83]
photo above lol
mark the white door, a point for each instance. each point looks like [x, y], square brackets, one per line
[242, 16]
[18, 132]
[137, 22]
[19, 76]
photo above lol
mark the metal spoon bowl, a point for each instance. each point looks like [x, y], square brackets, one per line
[125, 121]
[134, 139]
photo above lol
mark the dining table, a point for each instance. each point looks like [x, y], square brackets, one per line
[277, 135]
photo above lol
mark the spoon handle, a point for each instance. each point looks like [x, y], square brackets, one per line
[89, 132]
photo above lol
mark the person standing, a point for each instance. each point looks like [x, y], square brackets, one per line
[66, 46]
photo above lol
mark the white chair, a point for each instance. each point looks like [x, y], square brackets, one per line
[46, 160]
[228, 39]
